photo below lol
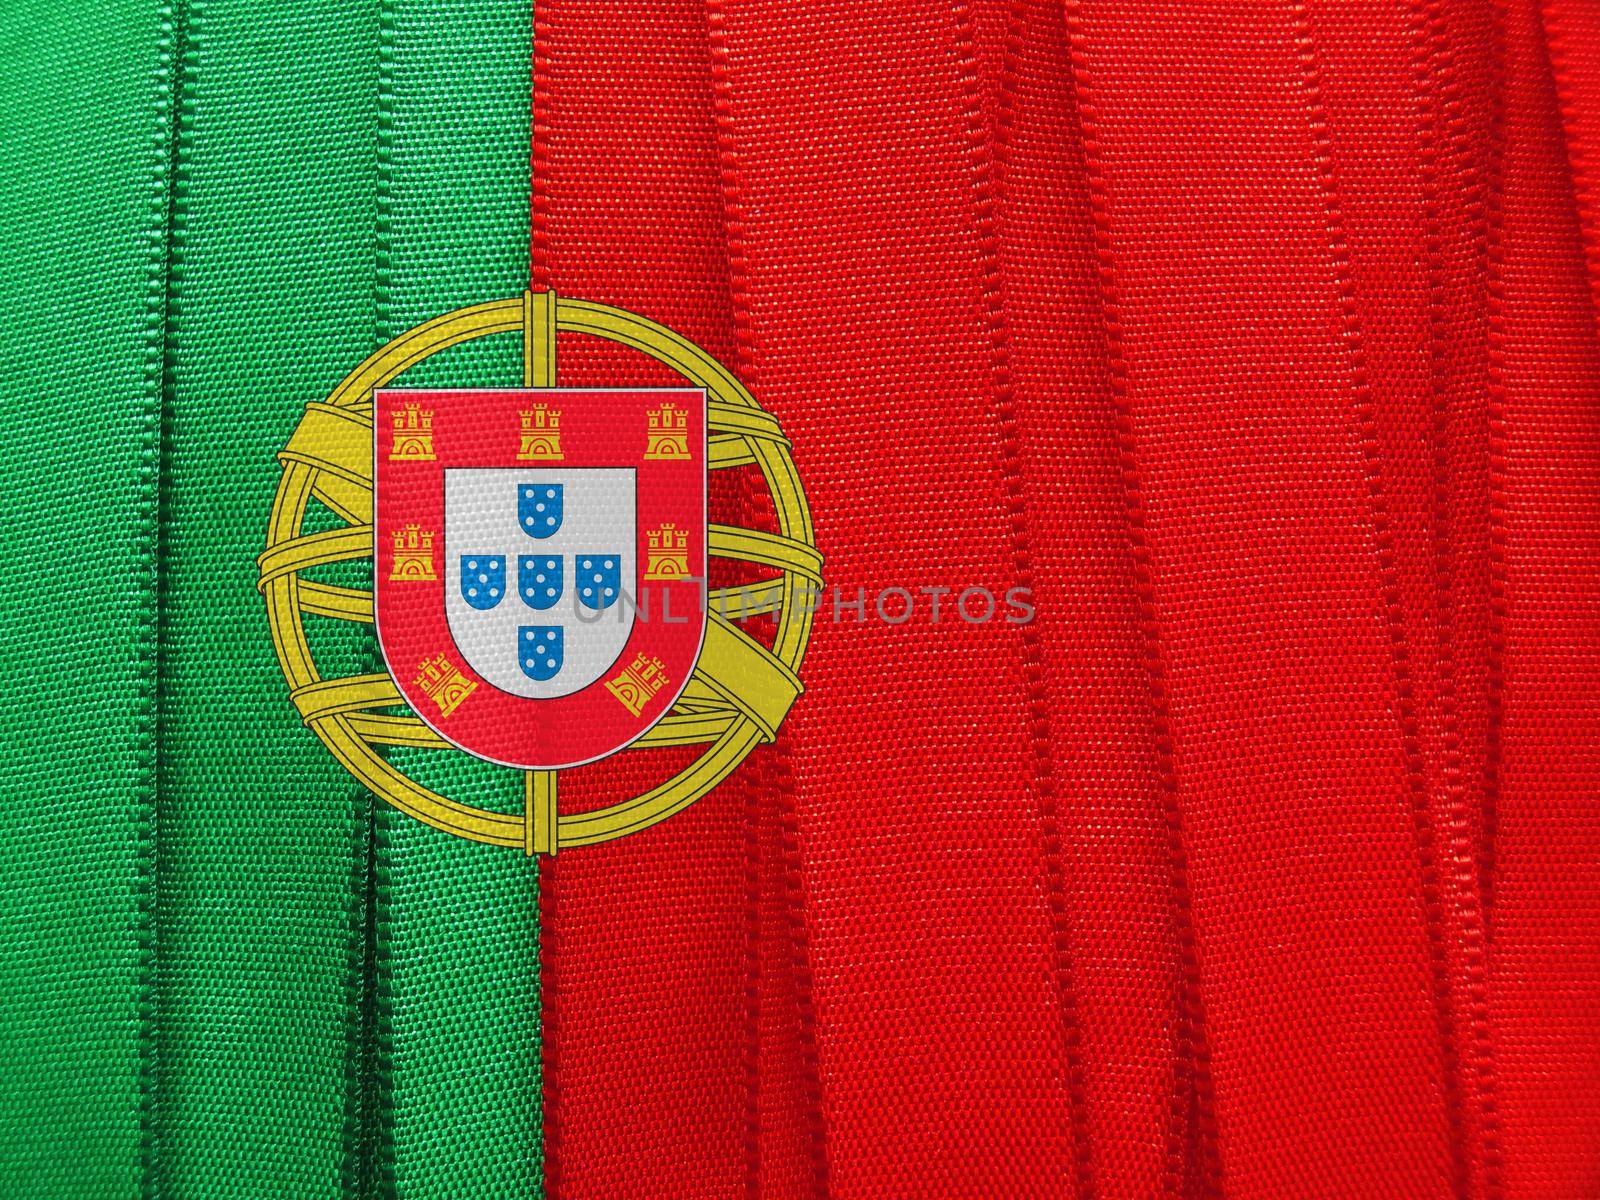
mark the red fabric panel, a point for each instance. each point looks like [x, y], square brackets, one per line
[1545, 969]
[680, 1057]
[1112, 875]
[1410, 100]
[870, 275]
[644, 956]
[1237, 358]
[788, 1138]
[1257, 340]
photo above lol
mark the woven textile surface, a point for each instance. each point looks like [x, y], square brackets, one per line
[1254, 344]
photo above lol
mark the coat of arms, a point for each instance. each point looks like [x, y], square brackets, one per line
[539, 588]
[539, 558]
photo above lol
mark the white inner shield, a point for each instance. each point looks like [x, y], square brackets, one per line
[598, 520]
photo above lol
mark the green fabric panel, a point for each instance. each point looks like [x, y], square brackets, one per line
[85, 93]
[261, 831]
[457, 951]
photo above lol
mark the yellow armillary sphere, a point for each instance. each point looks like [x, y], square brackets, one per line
[740, 689]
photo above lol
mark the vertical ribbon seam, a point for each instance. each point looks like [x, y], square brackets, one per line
[1495, 355]
[539, 274]
[755, 784]
[1392, 612]
[1192, 1084]
[1468, 1051]
[537, 1154]
[378, 934]
[168, 146]
[776, 779]
[987, 148]
[755, 778]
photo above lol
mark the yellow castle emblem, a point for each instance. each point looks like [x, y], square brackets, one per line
[413, 555]
[541, 434]
[444, 683]
[639, 681]
[413, 434]
[667, 553]
[667, 437]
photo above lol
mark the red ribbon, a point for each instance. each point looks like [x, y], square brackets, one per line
[1256, 342]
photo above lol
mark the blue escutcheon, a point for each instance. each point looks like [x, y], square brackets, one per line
[539, 508]
[539, 651]
[539, 580]
[598, 578]
[483, 580]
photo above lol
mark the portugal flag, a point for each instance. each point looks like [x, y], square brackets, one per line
[797, 599]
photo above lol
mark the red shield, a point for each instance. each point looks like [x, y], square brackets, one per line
[540, 562]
